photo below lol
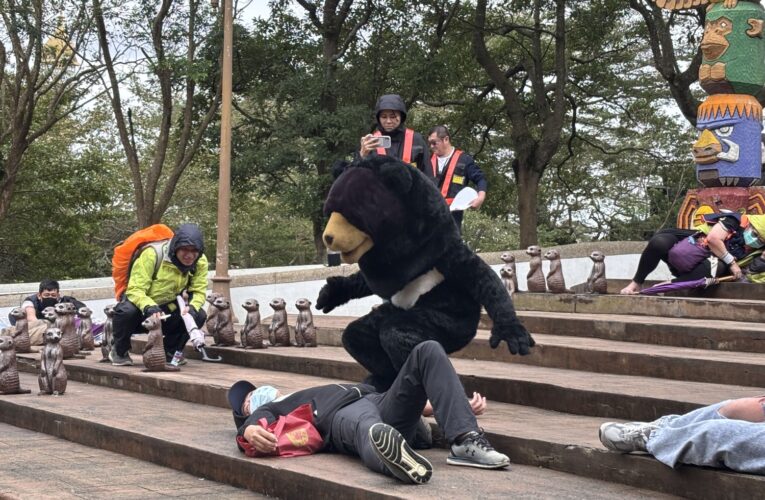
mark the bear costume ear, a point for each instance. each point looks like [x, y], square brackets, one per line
[397, 179]
[338, 167]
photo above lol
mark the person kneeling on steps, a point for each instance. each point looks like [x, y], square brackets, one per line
[152, 291]
[377, 427]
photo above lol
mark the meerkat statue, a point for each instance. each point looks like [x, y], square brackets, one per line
[305, 332]
[279, 331]
[9, 372]
[223, 329]
[507, 274]
[535, 280]
[509, 260]
[555, 281]
[154, 359]
[252, 334]
[597, 283]
[85, 331]
[52, 378]
[211, 312]
[65, 322]
[108, 333]
[49, 315]
[21, 340]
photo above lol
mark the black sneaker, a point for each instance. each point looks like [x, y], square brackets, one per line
[423, 437]
[118, 360]
[474, 450]
[403, 462]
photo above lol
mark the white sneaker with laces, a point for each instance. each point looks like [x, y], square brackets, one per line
[626, 437]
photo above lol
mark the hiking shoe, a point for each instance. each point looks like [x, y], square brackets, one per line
[626, 437]
[118, 360]
[474, 450]
[423, 437]
[403, 462]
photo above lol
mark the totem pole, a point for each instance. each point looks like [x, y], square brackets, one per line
[728, 152]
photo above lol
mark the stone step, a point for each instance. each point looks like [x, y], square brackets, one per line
[641, 305]
[570, 391]
[718, 335]
[748, 291]
[199, 439]
[575, 349]
[67, 470]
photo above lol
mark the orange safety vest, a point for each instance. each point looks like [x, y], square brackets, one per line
[449, 173]
[406, 157]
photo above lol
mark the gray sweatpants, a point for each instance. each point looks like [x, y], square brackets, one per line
[705, 437]
[426, 374]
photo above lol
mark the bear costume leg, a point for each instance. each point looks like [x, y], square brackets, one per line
[361, 339]
[382, 340]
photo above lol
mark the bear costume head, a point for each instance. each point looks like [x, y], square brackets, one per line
[388, 216]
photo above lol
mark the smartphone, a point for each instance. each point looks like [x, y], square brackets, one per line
[384, 141]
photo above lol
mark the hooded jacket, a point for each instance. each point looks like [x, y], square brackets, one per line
[172, 276]
[420, 152]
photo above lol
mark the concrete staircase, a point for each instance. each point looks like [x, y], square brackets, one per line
[597, 358]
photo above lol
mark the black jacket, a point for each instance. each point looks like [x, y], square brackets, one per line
[420, 152]
[465, 170]
[325, 401]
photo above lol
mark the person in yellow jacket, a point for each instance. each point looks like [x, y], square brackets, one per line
[152, 290]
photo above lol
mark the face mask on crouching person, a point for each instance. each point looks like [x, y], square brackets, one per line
[752, 238]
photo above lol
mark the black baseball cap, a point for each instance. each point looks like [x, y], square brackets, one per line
[236, 395]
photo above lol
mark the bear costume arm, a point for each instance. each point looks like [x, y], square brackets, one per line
[463, 266]
[341, 289]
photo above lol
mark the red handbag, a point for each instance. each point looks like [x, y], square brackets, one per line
[295, 435]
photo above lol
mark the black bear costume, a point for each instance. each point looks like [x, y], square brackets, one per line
[391, 219]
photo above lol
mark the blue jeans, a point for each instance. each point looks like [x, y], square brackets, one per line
[707, 438]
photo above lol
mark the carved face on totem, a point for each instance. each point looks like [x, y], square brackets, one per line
[729, 149]
[733, 49]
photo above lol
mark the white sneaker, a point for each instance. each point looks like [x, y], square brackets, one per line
[626, 437]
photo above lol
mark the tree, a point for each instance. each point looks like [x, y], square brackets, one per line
[168, 37]
[46, 74]
[300, 105]
[666, 57]
[536, 119]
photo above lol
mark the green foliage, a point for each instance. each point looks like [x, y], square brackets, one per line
[620, 173]
[483, 233]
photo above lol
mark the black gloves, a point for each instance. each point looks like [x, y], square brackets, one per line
[151, 310]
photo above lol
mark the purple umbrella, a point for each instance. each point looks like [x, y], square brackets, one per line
[684, 285]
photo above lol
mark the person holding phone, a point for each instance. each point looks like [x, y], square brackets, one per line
[453, 169]
[393, 139]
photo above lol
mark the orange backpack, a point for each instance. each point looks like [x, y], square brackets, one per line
[128, 251]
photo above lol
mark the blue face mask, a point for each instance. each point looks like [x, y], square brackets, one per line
[262, 395]
[751, 240]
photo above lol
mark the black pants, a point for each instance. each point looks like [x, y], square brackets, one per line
[128, 319]
[658, 249]
[457, 215]
[426, 374]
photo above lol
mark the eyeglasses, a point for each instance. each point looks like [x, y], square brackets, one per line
[433, 143]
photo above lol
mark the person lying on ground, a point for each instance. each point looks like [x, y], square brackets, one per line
[728, 434]
[377, 427]
[708, 251]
